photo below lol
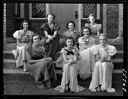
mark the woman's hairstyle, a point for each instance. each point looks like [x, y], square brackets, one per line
[24, 21]
[86, 28]
[102, 34]
[35, 35]
[51, 15]
[70, 22]
[71, 38]
[91, 15]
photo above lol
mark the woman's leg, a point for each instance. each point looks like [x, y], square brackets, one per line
[107, 75]
[95, 77]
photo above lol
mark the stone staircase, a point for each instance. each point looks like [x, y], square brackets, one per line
[9, 66]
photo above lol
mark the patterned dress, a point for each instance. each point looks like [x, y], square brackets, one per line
[43, 71]
[86, 57]
[53, 46]
[102, 74]
[70, 72]
[24, 38]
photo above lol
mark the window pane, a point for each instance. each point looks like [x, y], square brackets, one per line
[38, 10]
[89, 9]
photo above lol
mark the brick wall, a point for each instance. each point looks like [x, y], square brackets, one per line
[112, 20]
[36, 26]
[10, 13]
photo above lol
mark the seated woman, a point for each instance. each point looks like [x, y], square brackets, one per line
[39, 65]
[102, 74]
[87, 60]
[70, 68]
[51, 29]
[23, 37]
[95, 28]
[71, 32]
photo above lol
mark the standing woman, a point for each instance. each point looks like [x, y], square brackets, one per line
[102, 74]
[95, 28]
[23, 37]
[86, 57]
[51, 33]
[71, 32]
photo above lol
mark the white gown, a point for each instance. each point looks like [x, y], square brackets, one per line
[102, 74]
[69, 75]
[87, 59]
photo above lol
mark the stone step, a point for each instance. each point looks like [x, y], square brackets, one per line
[10, 63]
[119, 46]
[9, 55]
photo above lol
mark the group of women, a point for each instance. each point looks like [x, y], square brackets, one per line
[86, 54]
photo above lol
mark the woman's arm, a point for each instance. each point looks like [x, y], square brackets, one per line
[46, 34]
[65, 59]
[54, 35]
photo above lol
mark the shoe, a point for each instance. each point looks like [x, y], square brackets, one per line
[41, 86]
[110, 90]
[93, 90]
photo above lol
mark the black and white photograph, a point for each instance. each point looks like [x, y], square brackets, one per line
[63, 49]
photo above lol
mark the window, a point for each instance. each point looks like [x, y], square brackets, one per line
[37, 10]
[89, 9]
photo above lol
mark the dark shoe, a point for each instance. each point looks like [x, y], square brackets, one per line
[41, 86]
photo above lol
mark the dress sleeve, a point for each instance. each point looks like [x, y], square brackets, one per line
[94, 49]
[86, 25]
[44, 27]
[17, 34]
[112, 50]
[99, 27]
[63, 51]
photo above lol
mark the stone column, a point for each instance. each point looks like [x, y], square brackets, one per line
[104, 18]
[4, 25]
[98, 11]
[80, 15]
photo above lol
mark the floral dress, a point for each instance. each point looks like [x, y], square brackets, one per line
[25, 39]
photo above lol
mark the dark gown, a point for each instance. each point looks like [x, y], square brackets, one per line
[43, 71]
[53, 46]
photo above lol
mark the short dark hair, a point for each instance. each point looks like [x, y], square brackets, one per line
[24, 21]
[33, 36]
[70, 22]
[70, 38]
[51, 14]
[86, 28]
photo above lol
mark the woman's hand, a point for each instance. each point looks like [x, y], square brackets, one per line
[48, 40]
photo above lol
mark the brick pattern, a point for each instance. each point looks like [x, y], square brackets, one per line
[10, 15]
[112, 20]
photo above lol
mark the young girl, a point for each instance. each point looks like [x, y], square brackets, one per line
[102, 74]
[70, 68]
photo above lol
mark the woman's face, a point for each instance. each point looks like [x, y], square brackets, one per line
[102, 40]
[25, 25]
[36, 39]
[91, 19]
[50, 18]
[69, 42]
[71, 26]
[86, 32]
